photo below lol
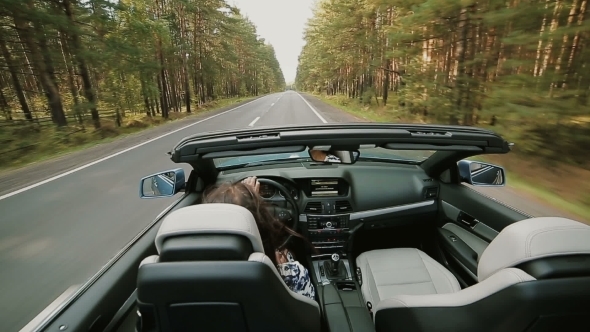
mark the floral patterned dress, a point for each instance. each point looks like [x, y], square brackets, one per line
[296, 276]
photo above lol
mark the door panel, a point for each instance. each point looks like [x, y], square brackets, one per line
[486, 210]
[463, 254]
[468, 222]
[473, 241]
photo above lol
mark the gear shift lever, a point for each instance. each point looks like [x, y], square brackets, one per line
[335, 263]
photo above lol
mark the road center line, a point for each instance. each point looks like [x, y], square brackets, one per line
[118, 153]
[313, 109]
[253, 122]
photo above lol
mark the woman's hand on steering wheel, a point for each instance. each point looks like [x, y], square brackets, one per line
[252, 181]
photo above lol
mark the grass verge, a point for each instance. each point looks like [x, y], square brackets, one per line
[26, 144]
[556, 184]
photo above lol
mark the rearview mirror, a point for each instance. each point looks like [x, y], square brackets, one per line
[481, 174]
[334, 156]
[163, 184]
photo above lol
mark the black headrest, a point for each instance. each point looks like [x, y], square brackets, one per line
[206, 247]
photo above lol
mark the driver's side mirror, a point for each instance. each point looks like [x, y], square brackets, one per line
[164, 184]
[481, 174]
[334, 156]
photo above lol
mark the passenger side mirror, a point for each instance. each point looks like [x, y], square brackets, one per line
[328, 155]
[481, 174]
[165, 184]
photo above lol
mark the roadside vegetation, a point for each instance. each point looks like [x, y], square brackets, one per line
[33, 143]
[518, 68]
[75, 73]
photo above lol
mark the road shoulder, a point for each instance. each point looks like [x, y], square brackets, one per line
[331, 113]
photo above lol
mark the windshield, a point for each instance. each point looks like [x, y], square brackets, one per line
[366, 153]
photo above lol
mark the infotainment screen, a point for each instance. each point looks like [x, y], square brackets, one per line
[324, 187]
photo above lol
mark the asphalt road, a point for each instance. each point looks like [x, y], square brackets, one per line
[57, 232]
[61, 232]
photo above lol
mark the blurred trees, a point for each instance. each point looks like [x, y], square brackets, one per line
[519, 65]
[68, 58]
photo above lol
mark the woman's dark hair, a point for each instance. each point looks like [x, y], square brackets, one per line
[272, 231]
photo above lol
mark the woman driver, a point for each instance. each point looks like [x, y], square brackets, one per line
[272, 231]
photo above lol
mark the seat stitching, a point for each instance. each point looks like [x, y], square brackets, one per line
[515, 274]
[428, 272]
[441, 271]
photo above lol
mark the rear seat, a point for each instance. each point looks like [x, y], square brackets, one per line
[402, 271]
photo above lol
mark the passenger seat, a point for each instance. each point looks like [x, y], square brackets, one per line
[385, 273]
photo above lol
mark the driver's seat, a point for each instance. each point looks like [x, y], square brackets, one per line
[212, 275]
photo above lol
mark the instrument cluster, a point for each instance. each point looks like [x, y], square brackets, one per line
[268, 191]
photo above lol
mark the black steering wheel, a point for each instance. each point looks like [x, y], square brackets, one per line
[289, 198]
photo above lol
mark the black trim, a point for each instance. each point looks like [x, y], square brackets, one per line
[253, 140]
[459, 249]
[558, 267]
[123, 312]
[204, 247]
[534, 306]
[264, 298]
[345, 309]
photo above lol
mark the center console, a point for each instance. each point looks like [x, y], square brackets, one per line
[328, 233]
[327, 225]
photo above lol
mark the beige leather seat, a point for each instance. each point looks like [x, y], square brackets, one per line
[534, 276]
[386, 273]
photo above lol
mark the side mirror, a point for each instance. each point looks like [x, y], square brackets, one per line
[481, 174]
[334, 156]
[165, 184]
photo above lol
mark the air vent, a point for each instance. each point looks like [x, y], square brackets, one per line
[431, 192]
[342, 206]
[313, 207]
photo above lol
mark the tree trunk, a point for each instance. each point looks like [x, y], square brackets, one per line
[51, 89]
[17, 87]
[84, 73]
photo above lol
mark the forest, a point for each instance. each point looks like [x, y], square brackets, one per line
[71, 64]
[519, 67]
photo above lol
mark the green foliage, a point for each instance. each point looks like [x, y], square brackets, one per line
[523, 64]
[141, 56]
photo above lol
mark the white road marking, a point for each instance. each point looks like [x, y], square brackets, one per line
[313, 109]
[271, 105]
[253, 122]
[118, 153]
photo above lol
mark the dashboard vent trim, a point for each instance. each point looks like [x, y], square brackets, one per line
[313, 207]
[342, 206]
[430, 192]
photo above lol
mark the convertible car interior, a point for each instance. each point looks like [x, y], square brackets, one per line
[403, 241]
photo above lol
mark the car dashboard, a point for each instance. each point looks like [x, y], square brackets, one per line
[333, 199]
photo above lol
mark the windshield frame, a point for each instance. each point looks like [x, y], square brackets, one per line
[224, 163]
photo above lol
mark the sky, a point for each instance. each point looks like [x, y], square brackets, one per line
[280, 23]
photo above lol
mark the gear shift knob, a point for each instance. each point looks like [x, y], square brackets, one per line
[335, 258]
